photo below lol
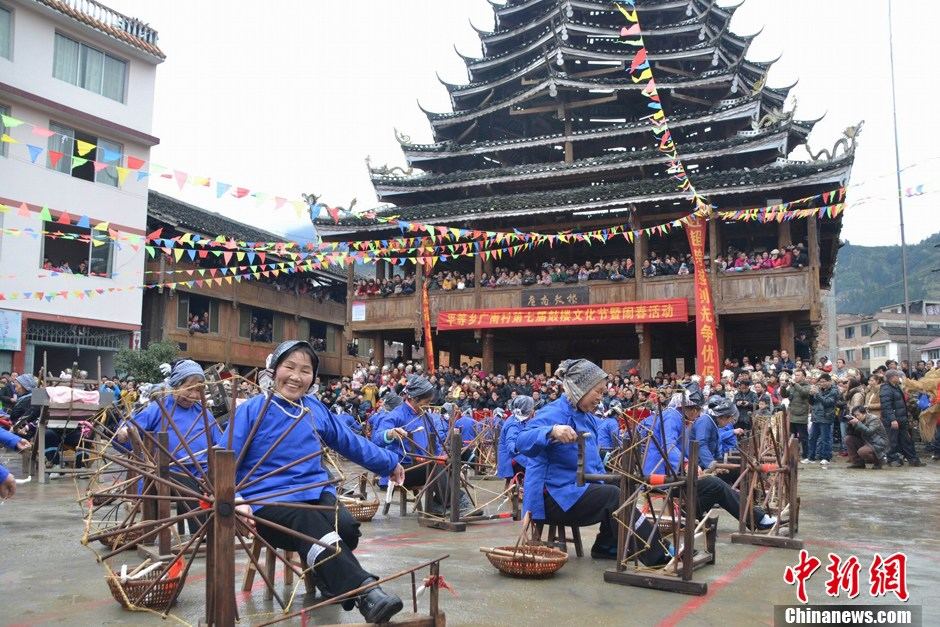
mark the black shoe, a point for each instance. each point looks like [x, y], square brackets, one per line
[467, 508]
[895, 464]
[378, 606]
[326, 595]
[600, 552]
[436, 509]
[857, 465]
[915, 463]
[935, 457]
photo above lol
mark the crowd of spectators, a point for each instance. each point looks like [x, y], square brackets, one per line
[555, 273]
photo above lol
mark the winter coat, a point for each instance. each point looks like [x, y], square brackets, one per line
[893, 404]
[872, 430]
[824, 405]
[800, 399]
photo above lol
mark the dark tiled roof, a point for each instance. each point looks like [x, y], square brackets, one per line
[921, 333]
[652, 155]
[566, 199]
[186, 217]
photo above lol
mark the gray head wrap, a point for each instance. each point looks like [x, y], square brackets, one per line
[888, 374]
[284, 348]
[578, 376]
[448, 409]
[391, 400]
[28, 381]
[418, 386]
[522, 407]
[182, 370]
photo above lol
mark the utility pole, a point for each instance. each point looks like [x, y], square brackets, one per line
[900, 196]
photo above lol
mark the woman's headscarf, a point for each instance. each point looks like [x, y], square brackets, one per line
[578, 377]
[182, 370]
[522, 407]
[28, 382]
[418, 386]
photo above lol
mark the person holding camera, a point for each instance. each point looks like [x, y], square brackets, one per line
[824, 398]
[895, 417]
[866, 439]
[798, 391]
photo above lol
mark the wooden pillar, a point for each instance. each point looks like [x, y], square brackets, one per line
[714, 249]
[812, 232]
[644, 336]
[720, 336]
[380, 269]
[163, 490]
[488, 349]
[477, 288]
[787, 334]
[639, 254]
[379, 349]
[784, 236]
[569, 145]
[488, 266]
[221, 585]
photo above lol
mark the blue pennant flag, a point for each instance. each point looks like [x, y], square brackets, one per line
[34, 152]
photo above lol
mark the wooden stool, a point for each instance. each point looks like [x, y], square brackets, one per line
[559, 537]
[270, 565]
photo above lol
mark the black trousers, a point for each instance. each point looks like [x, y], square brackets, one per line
[340, 573]
[900, 441]
[57, 438]
[597, 505]
[713, 491]
[418, 477]
[801, 431]
[183, 507]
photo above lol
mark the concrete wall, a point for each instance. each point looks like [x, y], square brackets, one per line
[30, 68]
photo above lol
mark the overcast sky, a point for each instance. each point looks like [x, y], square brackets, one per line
[289, 96]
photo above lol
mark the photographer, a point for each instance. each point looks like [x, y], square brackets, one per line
[866, 439]
[798, 391]
[745, 401]
[824, 399]
[895, 417]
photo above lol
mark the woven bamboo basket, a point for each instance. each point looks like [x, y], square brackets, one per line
[158, 597]
[527, 560]
[363, 511]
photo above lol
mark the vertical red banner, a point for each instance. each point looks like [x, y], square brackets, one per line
[429, 365]
[707, 340]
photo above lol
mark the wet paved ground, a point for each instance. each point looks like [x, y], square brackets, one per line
[47, 577]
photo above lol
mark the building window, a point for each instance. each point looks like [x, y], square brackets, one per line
[866, 330]
[198, 314]
[5, 110]
[315, 332]
[6, 33]
[866, 354]
[89, 68]
[68, 143]
[850, 355]
[879, 351]
[260, 325]
[76, 250]
[849, 332]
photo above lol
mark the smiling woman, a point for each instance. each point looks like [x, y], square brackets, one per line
[277, 442]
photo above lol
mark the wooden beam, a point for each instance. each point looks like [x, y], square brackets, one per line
[614, 69]
[688, 98]
[674, 70]
[572, 105]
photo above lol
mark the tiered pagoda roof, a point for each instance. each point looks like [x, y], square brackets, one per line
[550, 120]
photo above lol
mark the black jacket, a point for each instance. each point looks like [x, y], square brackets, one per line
[893, 406]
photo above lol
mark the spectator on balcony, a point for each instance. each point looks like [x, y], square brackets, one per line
[545, 278]
[649, 270]
[529, 278]
[683, 270]
[800, 259]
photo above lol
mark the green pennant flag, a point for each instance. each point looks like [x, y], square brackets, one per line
[151, 251]
[44, 215]
[78, 162]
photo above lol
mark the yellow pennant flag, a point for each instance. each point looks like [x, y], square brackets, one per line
[178, 253]
[83, 147]
[6, 139]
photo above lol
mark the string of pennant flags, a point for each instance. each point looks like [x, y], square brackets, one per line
[444, 241]
[142, 169]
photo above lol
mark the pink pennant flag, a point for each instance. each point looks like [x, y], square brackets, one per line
[99, 166]
[633, 30]
[180, 178]
[42, 132]
[640, 57]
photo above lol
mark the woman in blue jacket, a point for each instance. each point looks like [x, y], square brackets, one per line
[7, 480]
[551, 491]
[509, 462]
[265, 473]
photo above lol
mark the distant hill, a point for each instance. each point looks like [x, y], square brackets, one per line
[869, 277]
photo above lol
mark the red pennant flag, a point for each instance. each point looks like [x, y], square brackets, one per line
[54, 158]
[24, 210]
[334, 213]
[640, 56]
[240, 192]
[155, 235]
[65, 218]
[134, 163]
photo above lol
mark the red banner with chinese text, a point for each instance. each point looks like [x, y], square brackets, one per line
[429, 365]
[707, 342]
[672, 310]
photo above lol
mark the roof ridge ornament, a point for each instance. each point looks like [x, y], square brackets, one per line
[848, 141]
[400, 137]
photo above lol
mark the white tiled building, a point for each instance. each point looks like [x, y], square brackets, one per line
[77, 84]
[866, 342]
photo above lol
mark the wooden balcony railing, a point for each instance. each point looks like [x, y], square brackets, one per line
[747, 292]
